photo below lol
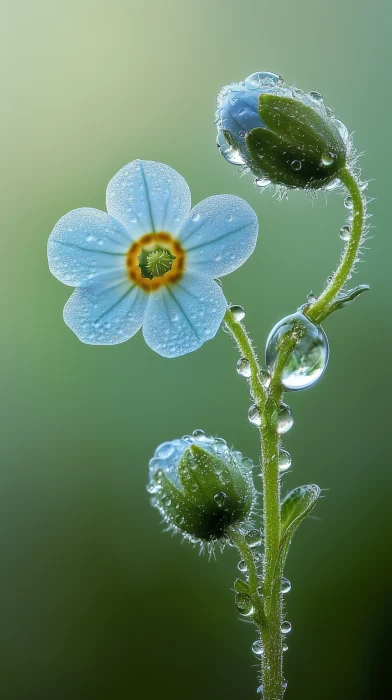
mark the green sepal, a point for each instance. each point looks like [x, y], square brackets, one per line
[212, 495]
[343, 299]
[295, 133]
[294, 508]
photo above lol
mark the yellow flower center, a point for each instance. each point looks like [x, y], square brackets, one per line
[139, 261]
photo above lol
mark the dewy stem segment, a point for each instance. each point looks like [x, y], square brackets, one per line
[268, 405]
[268, 400]
[318, 310]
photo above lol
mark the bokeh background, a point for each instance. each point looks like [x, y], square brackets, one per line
[95, 600]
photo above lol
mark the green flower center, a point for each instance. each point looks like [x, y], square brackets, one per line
[155, 263]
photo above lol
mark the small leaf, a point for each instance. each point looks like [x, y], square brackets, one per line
[344, 298]
[295, 507]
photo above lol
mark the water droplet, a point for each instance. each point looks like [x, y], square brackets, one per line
[200, 435]
[285, 647]
[333, 185]
[316, 95]
[243, 367]
[345, 233]
[220, 499]
[285, 585]
[241, 566]
[284, 460]
[254, 415]
[296, 165]
[265, 378]
[284, 686]
[309, 357]
[243, 133]
[238, 312]
[343, 131]
[164, 451]
[244, 604]
[327, 159]
[285, 420]
[262, 182]
[257, 648]
[228, 152]
[166, 500]
[348, 202]
[253, 538]
[263, 78]
[260, 691]
[285, 627]
[311, 298]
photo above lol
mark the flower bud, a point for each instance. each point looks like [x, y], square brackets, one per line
[284, 136]
[201, 487]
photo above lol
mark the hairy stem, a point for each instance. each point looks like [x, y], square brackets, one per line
[318, 309]
[268, 402]
[271, 662]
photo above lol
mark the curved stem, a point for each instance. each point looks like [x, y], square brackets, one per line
[245, 347]
[317, 311]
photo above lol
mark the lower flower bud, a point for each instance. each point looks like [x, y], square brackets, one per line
[201, 487]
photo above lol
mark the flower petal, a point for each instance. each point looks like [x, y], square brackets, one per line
[180, 318]
[86, 243]
[148, 197]
[107, 315]
[220, 234]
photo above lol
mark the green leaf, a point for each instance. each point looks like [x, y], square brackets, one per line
[344, 298]
[295, 507]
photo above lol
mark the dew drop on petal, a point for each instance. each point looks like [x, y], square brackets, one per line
[254, 415]
[309, 357]
[263, 78]
[284, 460]
[316, 95]
[244, 368]
[238, 312]
[285, 627]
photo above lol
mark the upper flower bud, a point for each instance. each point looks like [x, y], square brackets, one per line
[201, 487]
[283, 135]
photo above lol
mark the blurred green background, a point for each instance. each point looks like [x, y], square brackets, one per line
[95, 600]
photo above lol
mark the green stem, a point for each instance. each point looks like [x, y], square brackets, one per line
[271, 662]
[268, 402]
[317, 311]
[246, 554]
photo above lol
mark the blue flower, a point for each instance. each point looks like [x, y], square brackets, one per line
[150, 261]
